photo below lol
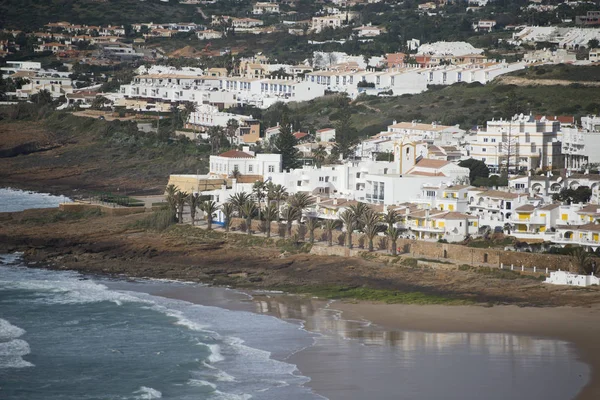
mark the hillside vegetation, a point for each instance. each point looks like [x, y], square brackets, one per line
[464, 104]
[30, 14]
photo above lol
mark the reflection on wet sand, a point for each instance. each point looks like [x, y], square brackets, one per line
[319, 318]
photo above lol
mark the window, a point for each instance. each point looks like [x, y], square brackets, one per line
[250, 168]
[430, 193]
[326, 179]
[508, 205]
[271, 168]
[334, 179]
[321, 179]
[485, 140]
[235, 166]
[299, 183]
[493, 140]
[358, 174]
[483, 149]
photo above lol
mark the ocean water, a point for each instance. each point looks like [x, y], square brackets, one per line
[63, 336]
[12, 200]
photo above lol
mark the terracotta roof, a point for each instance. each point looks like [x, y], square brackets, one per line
[430, 163]
[300, 135]
[563, 119]
[236, 154]
[421, 173]
[325, 129]
[457, 187]
[499, 194]
[454, 215]
[525, 208]
[589, 209]
[589, 227]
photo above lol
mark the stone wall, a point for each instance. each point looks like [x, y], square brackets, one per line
[112, 211]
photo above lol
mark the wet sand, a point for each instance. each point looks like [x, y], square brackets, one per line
[364, 347]
[579, 326]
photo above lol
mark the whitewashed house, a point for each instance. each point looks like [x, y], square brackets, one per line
[566, 278]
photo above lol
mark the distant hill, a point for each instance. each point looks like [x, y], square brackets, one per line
[32, 14]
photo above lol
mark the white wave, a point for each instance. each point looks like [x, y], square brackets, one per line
[145, 392]
[217, 395]
[218, 374]
[201, 383]
[12, 200]
[215, 353]
[11, 354]
[9, 331]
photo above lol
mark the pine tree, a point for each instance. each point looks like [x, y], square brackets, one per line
[285, 144]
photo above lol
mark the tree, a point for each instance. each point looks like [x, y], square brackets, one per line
[238, 200]
[319, 155]
[477, 169]
[312, 224]
[215, 134]
[391, 218]
[236, 174]
[248, 211]
[346, 135]
[370, 220]
[193, 201]
[300, 201]
[285, 144]
[270, 214]
[593, 44]
[329, 226]
[359, 210]
[180, 199]
[259, 191]
[393, 234]
[507, 227]
[42, 98]
[290, 214]
[580, 195]
[227, 209]
[231, 129]
[210, 208]
[581, 259]
[170, 193]
[277, 193]
[348, 218]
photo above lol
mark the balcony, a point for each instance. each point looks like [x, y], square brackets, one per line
[528, 221]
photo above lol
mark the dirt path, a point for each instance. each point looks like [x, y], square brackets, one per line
[514, 80]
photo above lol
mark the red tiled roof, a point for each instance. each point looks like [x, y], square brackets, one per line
[236, 154]
[300, 135]
[563, 119]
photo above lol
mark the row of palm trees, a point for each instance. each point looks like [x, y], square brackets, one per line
[264, 204]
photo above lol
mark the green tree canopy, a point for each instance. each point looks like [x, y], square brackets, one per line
[580, 195]
[285, 144]
[477, 169]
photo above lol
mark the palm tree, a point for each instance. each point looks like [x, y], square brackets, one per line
[170, 193]
[507, 228]
[329, 226]
[359, 209]
[289, 214]
[258, 189]
[231, 129]
[581, 259]
[227, 209]
[269, 215]
[210, 208]
[319, 155]
[238, 199]
[391, 218]
[180, 198]
[300, 201]
[393, 234]
[215, 134]
[312, 224]
[349, 220]
[248, 210]
[193, 201]
[371, 228]
[277, 193]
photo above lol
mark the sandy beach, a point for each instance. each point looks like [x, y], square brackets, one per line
[377, 328]
[579, 326]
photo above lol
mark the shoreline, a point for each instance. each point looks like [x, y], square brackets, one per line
[574, 326]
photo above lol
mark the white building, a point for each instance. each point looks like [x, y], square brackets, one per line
[209, 34]
[494, 207]
[17, 66]
[522, 142]
[246, 162]
[484, 25]
[325, 135]
[265, 8]
[369, 31]
[566, 278]
[332, 21]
